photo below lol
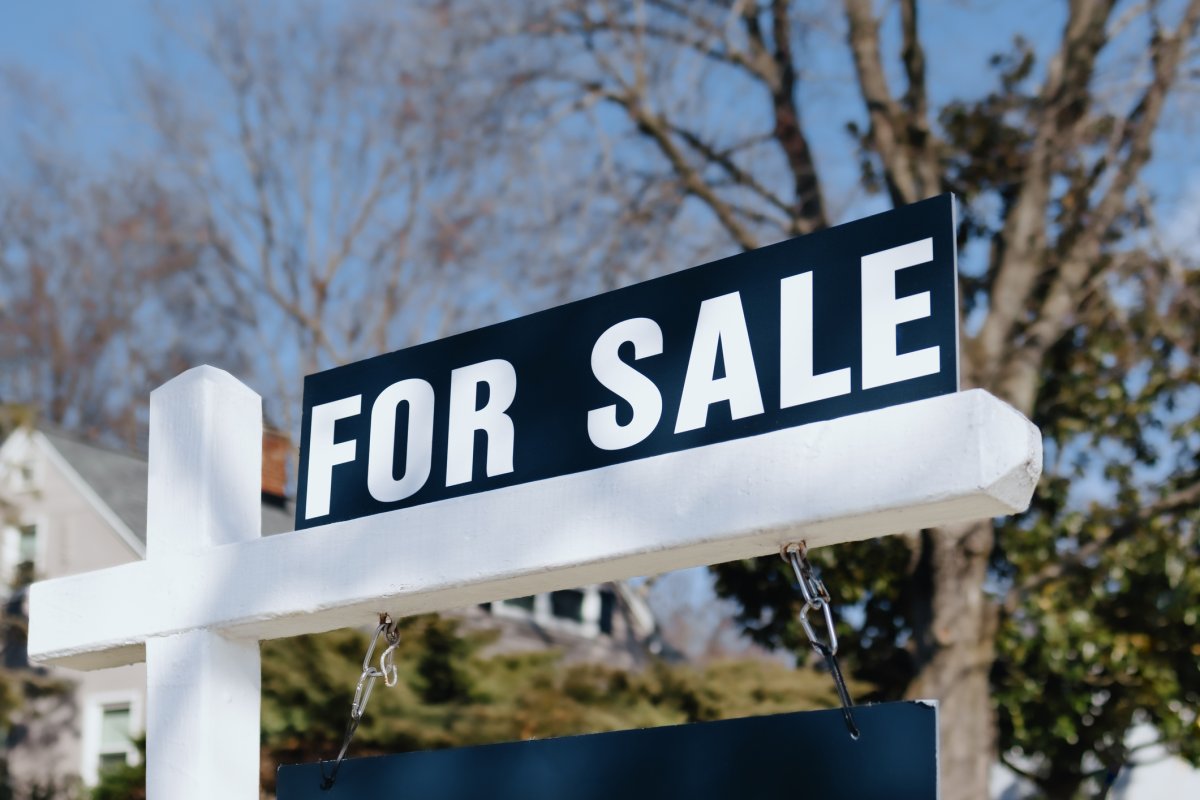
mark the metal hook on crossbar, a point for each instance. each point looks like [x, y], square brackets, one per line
[387, 665]
[816, 598]
[386, 670]
[388, 631]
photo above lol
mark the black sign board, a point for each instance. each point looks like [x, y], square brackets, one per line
[850, 319]
[806, 755]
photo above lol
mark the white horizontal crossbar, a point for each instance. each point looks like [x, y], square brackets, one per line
[948, 459]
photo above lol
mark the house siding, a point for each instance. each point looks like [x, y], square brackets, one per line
[46, 737]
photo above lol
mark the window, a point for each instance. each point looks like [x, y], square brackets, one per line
[583, 612]
[27, 545]
[110, 723]
[20, 553]
[523, 603]
[608, 602]
[116, 736]
[567, 604]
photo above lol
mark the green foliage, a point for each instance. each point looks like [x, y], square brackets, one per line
[125, 782]
[1101, 650]
[442, 676]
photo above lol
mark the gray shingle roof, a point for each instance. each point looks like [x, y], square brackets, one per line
[119, 480]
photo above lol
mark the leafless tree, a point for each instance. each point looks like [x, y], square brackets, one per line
[98, 304]
[325, 152]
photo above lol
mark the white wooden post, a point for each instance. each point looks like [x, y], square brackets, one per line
[203, 689]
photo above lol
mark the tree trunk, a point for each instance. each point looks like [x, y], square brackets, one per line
[955, 652]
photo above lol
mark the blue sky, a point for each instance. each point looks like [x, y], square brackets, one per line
[48, 35]
[64, 37]
[84, 48]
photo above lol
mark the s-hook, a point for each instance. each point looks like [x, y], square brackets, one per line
[362, 693]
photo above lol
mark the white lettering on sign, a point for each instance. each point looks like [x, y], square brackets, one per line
[418, 458]
[466, 418]
[627, 383]
[720, 327]
[324, 453]
[883, 312]
[797, 382]
[720, 368]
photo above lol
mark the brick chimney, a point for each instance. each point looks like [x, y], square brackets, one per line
[277, 446]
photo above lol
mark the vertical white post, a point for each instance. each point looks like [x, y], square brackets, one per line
[203, 690]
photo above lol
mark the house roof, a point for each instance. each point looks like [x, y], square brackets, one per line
[119, 480]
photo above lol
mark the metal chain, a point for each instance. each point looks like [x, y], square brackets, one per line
[366, 683]
[816, 598]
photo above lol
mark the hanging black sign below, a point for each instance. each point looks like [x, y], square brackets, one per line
[807, 755]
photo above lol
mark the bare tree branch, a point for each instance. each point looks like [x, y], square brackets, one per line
[658, 130]
[1085, 241]
[1021, 248]
[808, 208]
[900, 135]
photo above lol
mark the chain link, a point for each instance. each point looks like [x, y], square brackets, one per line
[366, 683]
[386, 669]
[816, 598]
